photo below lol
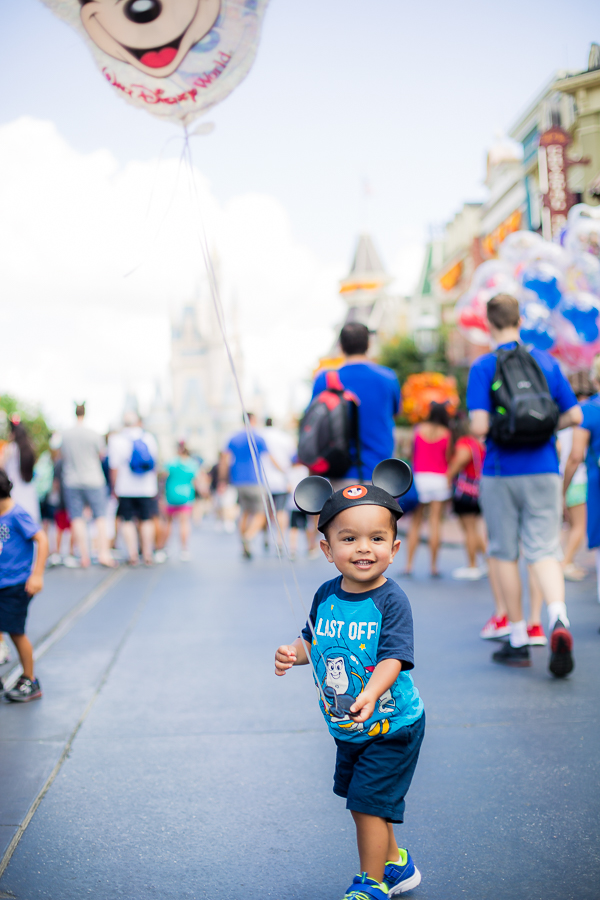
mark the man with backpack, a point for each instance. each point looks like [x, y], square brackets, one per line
[132, 457]
[516, 400]
[368, 398]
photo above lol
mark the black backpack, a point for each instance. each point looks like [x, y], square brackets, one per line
[329, 431]
[525, 413]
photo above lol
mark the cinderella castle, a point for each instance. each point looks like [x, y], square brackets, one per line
[204, 408]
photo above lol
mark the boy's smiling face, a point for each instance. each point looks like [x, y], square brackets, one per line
[361, 543]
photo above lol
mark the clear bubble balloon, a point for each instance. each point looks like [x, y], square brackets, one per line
[536, 326]
[544, 279]
[581, 310]
[516, 247]
[583, 230]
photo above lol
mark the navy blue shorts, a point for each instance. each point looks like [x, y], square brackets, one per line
[374, 776]
[14, 601]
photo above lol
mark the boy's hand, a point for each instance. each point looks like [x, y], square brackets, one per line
[34, 584]
[285, 658]
[363, 707]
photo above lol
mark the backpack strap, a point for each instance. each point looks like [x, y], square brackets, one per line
[333, 382]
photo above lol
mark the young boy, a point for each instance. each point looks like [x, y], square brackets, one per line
[361, 647]
[18, 583]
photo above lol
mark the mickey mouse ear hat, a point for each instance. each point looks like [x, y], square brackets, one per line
[391, 478]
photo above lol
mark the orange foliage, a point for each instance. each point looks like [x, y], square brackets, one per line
[421, 390]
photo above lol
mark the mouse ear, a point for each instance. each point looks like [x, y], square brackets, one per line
[311, 494]
[394, 476]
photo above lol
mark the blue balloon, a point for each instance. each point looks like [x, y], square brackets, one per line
[539, 339]
[547, 289]
[584, 321]
[536, 328]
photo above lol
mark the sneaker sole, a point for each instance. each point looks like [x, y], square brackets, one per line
[513, 663]
[23, 699]
[538, 641]
[561, 657]
[406, 885]
[496, 635]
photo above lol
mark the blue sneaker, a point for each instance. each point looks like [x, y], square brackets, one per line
[365, 888]
[401, 876]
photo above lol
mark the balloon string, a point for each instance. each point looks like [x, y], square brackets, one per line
[158, 230]
[266, 495]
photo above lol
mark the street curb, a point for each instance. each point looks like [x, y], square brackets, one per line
[64, 625]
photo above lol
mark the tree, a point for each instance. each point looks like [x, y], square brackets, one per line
[403, 356]
[31, 417]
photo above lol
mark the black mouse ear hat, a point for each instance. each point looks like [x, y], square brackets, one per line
[391, 478]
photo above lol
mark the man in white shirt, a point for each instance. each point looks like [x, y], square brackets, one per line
[84, 485]
[135, 490]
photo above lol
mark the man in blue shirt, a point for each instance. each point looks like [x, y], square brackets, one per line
[521, 496]
[378, 390]
[237, 466]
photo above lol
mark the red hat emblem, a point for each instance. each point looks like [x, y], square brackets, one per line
[354, 492]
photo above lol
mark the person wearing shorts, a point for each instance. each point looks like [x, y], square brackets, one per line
[431, 453]
[236, 466]
[84, 485]
[299, 521]
[136, 492]
[179, 494]
[521, 496]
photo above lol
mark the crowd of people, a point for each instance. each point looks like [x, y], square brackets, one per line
[110, 500]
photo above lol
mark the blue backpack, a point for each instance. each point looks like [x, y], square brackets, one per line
[141, 459]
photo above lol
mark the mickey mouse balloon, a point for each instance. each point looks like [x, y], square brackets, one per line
[174, 58]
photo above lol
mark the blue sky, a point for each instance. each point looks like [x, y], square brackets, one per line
[407, 95]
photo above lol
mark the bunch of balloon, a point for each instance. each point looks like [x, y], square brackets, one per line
[557, 285]
[174, 58]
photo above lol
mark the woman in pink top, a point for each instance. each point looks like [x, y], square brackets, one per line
[431, 453]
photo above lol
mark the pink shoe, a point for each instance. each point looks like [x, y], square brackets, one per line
[536, 635]
[495, 628]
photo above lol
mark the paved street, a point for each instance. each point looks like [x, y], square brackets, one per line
[193, 772]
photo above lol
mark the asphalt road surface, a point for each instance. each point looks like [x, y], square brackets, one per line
[176, 765]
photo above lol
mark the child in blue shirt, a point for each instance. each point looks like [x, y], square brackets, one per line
[359, 641]
[19, 582]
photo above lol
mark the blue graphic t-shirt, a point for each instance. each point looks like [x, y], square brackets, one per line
[242, 467]
[17, 529]
[378, 390]
[354, 632]
[504, 461]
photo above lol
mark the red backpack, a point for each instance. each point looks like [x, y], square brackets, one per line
[328, 441]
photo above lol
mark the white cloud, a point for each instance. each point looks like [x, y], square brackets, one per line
[95, 257]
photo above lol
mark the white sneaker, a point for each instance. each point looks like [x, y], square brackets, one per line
[55, 559]
[185, 556]
[4, 652]
[160, 556]
[71, 562]
[469, 573]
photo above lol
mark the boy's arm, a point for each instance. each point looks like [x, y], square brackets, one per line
[289, 655]
[383, 677]
[35, 582]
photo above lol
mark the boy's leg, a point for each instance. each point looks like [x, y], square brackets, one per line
[393, 855]
[373, 839]
[25, 651]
